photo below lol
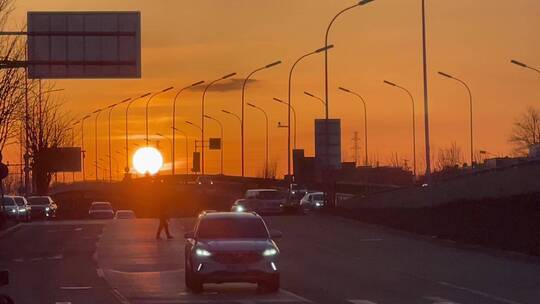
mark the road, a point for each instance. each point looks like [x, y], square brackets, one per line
[325, 259]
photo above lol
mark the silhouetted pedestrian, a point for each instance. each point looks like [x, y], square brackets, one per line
[163, 222]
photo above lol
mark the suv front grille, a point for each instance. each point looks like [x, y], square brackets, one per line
[236, 257]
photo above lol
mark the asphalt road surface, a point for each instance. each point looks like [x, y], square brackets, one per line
[324, 259]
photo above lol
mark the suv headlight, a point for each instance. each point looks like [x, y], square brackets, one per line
[47, 208]
[240, 208]
[22, 210]
[202, 252]
[270, 252]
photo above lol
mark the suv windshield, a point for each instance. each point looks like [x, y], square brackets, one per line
[318, 197]
[19, 201]
[269, 195]
[38, 201]
[232, 228]
[8, 201]
[101, 207]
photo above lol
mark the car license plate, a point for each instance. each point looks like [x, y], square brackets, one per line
[236, 268]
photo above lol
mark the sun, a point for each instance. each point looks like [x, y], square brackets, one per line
[147, 160]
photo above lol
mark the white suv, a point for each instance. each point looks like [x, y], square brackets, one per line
[231, 247]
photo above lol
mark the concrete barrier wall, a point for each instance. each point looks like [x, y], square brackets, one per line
[521, 179]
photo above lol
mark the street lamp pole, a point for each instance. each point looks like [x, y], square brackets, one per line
[221, 130]
[327, 47]
[187, 152]
[147, 103]
[523, 65]
[97, 112]
[202, 116]
[174, 121]
[470, 111]
[294, 116]
[243, 103]
[266, 146]
[413, 121]
[366, 161]
[111, 107]
[82, 145]
[363, 2]
[126, 169]
[426, 99]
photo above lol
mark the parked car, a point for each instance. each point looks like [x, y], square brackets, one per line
[24, 209]
[204, 181]
[42, 206]
[125, 215]
[101, 210]
[231, 247]
[261, 201]
[312, 201]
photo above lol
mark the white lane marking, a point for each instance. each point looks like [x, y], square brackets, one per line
[480, 293]
[78, 229]
[35, 259]
[18, 260]
[76, 287]
[62, 302]
[56, 257]
[361, 302]
[438, 300]
[369, 240]
[6, 231]
[119, 296]
[295, 296]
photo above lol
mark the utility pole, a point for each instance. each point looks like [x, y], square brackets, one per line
[356, 147]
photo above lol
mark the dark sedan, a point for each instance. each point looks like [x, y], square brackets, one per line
[42, 206]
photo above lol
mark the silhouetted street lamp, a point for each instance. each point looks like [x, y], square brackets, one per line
[363, 2]
[413, 121]
[426, 100]
[290, 102]
[126, 169]
[221, 130]
[523, 65]
[82, 145]
[174, 121]
[470, 110]
[147, 103]
[97, 112]
[366, 161]
[266, 148]
[203, 113]
[111, 107]
[243, 102]
[187, 151]
[316, 97]
[294, 115]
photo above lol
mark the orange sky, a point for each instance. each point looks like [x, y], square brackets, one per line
[187, 41]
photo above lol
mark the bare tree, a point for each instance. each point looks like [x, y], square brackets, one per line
[12, 80]
[48, 127]
[526, 131]
[449, 157]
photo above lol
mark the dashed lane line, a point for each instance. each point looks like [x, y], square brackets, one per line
[76, 287]
[360, 302]
[480, 293]
[437, 300]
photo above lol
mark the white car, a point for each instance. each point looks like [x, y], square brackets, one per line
[231, 247]
[261, 201]
[312, 200]
[101, 210]
[125, 215]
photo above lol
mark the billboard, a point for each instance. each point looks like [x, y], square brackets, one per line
[62, 159]
[84, 45]
[328, 143]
